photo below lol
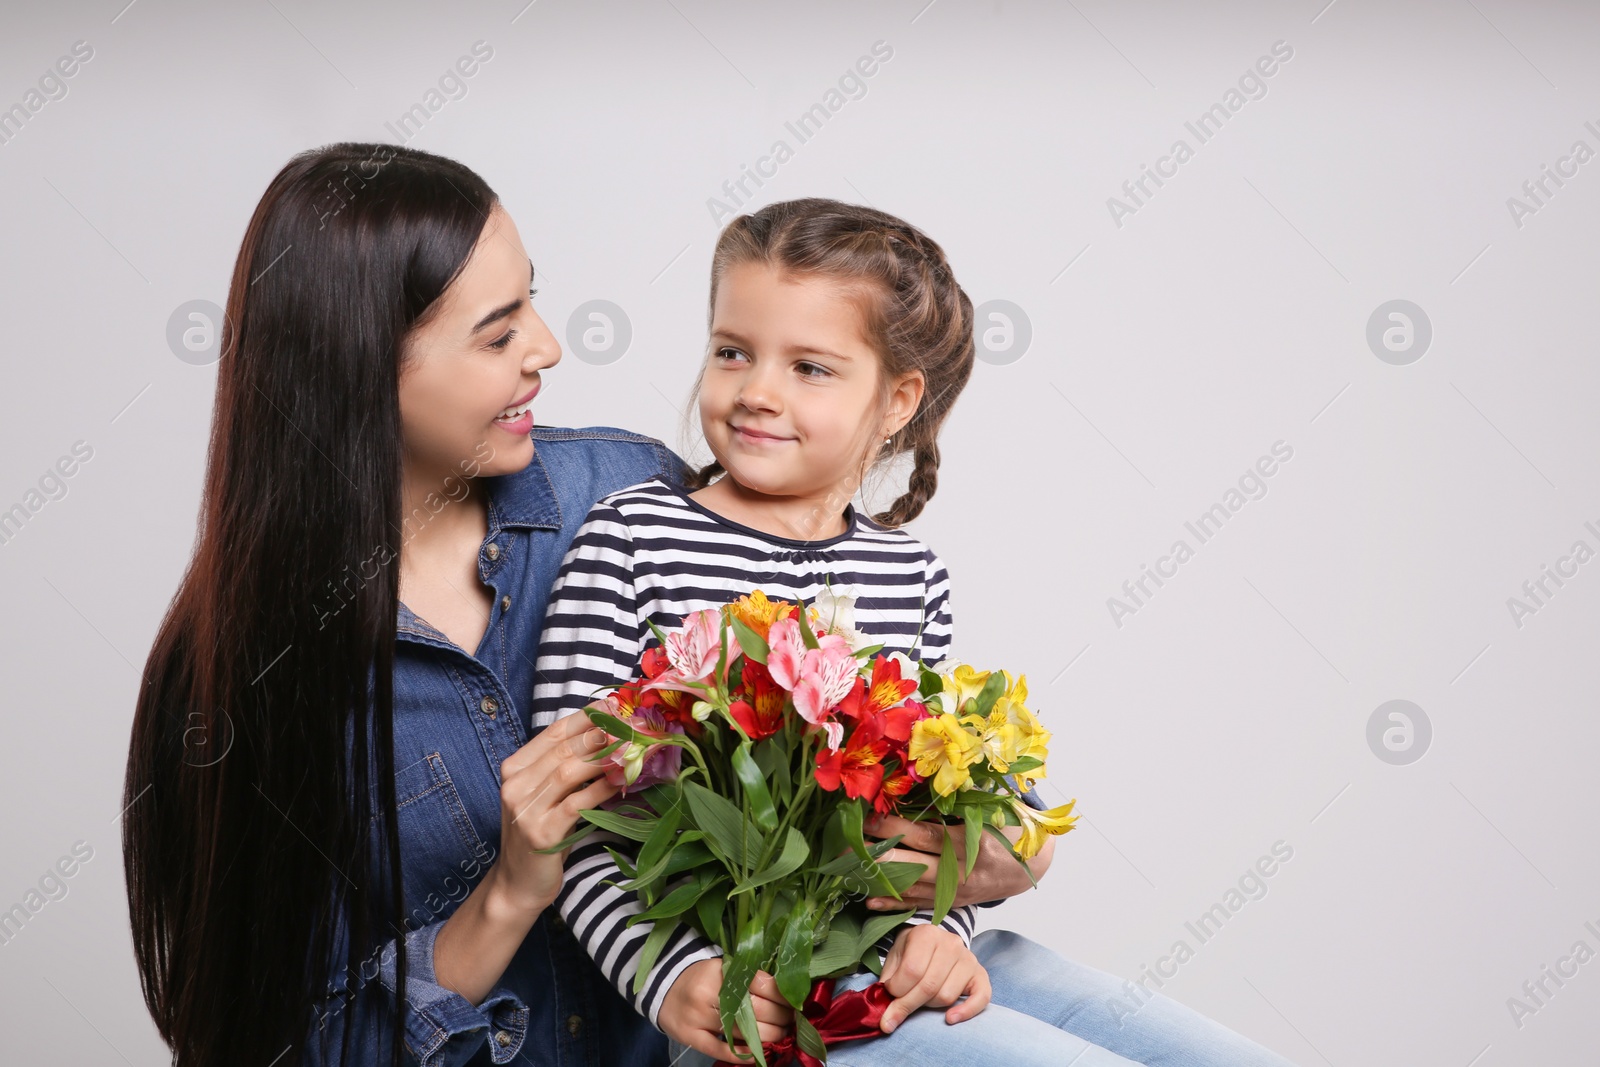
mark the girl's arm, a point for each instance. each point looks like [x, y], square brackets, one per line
[594, 632]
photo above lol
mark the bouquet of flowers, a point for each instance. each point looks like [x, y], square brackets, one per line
[748, 752]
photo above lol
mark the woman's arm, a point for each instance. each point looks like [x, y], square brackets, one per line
[995, 876]
[544, 785]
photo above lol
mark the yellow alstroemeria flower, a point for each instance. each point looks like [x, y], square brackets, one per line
[964, 684]
[943, 748]
[1036, 824]
[1001, 738]
[1012, 732]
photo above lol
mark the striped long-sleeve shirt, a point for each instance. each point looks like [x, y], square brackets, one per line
[650, 553]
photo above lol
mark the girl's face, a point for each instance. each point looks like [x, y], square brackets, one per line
[789, 398]
[471, 371]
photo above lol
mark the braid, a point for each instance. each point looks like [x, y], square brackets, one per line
[701, 477]
[924, 480]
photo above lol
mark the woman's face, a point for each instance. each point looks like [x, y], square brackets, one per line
[471, 371]
[789, 399]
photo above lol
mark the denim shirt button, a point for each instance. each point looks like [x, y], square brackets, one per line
[505, 603]
[493, 551]
[502, 1038]
[489, 705]
[574, 1024]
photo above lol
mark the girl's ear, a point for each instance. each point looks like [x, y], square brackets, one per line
[906, 397]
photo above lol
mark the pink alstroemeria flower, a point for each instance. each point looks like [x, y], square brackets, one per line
[694, 647]
[817, 678]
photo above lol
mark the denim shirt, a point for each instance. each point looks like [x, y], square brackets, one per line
[456, 717]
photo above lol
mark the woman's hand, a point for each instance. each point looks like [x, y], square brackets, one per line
[689, 1014]
[542, 792]
[995, 876]
[931, 965]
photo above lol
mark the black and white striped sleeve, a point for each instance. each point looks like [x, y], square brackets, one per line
[592, 638]
[937, 623]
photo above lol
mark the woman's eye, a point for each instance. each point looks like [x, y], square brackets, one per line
[502, 342]
[532, 293]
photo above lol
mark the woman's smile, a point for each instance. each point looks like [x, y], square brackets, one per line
[518, 418]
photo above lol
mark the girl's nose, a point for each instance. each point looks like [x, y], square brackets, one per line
[757, 393]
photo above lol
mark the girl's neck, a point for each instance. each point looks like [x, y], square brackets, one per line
[815, 516]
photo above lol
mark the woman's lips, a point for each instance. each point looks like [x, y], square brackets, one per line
[518, 418]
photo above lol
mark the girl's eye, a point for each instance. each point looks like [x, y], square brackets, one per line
[822, 372]
[502, 342]
[729, 353]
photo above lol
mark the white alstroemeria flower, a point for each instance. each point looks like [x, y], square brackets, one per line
[838, 613]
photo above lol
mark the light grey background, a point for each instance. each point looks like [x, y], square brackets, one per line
[1227, 313]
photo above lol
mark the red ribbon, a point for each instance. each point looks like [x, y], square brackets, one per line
[851, 1016]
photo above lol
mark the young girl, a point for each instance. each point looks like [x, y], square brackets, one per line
[839, 340]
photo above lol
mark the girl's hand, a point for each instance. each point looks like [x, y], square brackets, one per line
[995, 876]
[542, 790]
[689, 1014]
[931, 965]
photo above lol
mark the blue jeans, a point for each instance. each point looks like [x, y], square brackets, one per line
[1046, 1010]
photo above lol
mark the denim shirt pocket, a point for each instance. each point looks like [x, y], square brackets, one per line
[444, 856]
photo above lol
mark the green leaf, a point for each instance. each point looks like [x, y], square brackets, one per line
[848, 861]
[944, 883]
[653, 944]
[973, 817]
[722, 649]
[931, 683]
[708, 909]
[772, 757]
[850, 821]
[738, 842]
[991, 692]
[795, 852]
[754, 645]
[793, 967]
[842, 947]
[617, 728]
[567, 842]
[755, 788]
[902, 875]
[878, 925]
[806, 1036]
[738, 971]
[627, 868]
[1026, 763]
[633, 829]
[690, 852]
[806, 636]
[675, 903]
[654, 855]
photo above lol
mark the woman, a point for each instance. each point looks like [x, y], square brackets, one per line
[332, 778]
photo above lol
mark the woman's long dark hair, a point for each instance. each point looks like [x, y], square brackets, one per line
[262, 743]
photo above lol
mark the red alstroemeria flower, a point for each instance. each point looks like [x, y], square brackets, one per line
[899, 720]
[858, 767]
[896, 784]
[761, 715]
[654, 661]
[880, 695]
